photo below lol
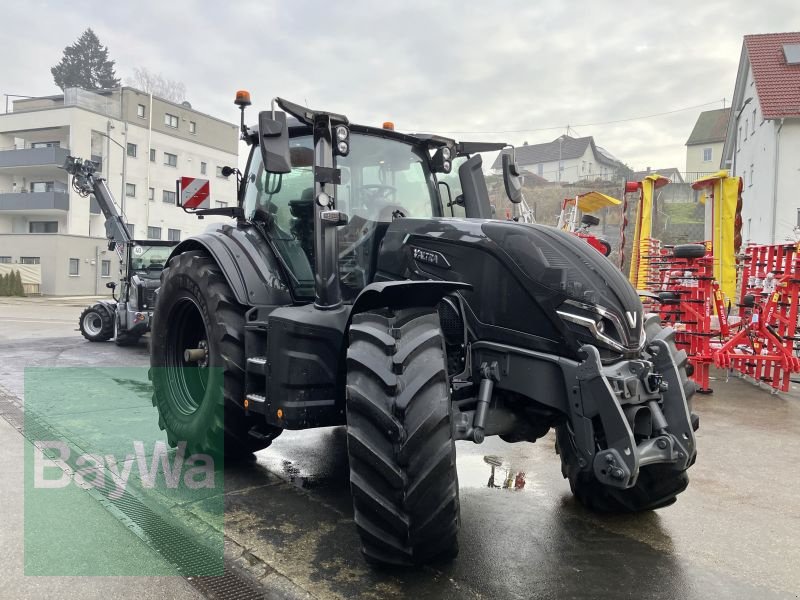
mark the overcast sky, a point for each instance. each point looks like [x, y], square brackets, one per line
[426, 65]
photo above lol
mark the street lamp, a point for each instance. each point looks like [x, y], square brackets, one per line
[124, 166]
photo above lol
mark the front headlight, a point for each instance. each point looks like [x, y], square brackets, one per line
[605, 326]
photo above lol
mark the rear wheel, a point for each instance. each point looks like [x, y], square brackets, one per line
[96, 323]
[199, 398]
[399, 440]
[657, 485]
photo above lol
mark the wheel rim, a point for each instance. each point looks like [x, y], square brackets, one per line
[92, 323]
[187, 380]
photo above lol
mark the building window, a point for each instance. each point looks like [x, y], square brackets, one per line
[131, 228]
[46, 145]
[43, 227]
[151, 194]
[219, 172]
[583, 166]
[203, 168]
[174, 235]
[752, 168]
[707, 154]
[154, 233]
[132, 150]
[746, 126]
[171, 160]
[170, 120]
[221, 204]
[192, 127]
[140, 111]
[105, 266]
[168, 197]
[753, 130]
[130, 190]
[739, 145]
[798, 218]
[42, 186]
[5, 260]
[74, 266]
[152, 155]
[29, 260]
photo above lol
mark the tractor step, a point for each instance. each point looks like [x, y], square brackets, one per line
[255, 403]
[257, 364]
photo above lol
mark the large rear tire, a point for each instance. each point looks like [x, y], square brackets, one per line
[399, 440]
[657, 485]
[197, 309]
[96, 323]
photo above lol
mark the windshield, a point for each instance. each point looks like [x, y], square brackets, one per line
[382, 179]
[148, 261]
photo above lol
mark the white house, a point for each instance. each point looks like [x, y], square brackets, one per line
[566, 159]
[762, 144]
[142, 146]
[705, 143]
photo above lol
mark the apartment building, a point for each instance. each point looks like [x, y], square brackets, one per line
[142, 145]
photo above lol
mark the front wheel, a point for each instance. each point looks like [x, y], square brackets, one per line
[399, 440]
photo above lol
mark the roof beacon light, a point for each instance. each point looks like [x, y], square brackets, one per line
[242, 98]
[388, 125]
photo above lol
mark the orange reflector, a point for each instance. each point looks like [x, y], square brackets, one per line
[280, 413]
[388, 125]
[242, 98]
[246, 403]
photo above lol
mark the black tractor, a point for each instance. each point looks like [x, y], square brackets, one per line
[345, 294]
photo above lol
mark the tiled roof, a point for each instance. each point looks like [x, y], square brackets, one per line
[777, 83]
[710, 127]
[561, 148]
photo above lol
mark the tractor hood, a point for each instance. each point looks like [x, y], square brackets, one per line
[598, 296]
[531, 279]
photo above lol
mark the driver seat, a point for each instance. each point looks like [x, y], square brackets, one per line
[302, 227]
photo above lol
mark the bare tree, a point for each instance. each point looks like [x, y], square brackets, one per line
[147, 81]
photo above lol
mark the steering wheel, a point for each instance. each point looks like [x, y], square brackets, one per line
[379, 191]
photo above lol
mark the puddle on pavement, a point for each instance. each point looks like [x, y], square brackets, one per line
[496, 472]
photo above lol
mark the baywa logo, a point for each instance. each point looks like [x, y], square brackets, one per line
[53, 460]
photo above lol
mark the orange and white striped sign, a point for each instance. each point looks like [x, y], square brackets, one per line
[195, 193]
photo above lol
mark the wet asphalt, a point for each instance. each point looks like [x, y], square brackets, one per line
[735, 533]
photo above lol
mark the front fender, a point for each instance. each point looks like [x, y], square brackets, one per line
[404, 294]
[246, 261]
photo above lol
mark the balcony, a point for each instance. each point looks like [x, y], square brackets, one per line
[34, 201]
[33, 157]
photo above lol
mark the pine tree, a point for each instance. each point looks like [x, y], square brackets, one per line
[85, 64]
[3, 286]
[19, 289]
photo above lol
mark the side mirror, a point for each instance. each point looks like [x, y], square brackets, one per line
[273, 138]
[511, 179]
[111, 285]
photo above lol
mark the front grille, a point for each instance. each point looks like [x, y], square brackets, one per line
[147, 298]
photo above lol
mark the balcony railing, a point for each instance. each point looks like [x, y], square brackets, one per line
[25, 201]
[33, 157]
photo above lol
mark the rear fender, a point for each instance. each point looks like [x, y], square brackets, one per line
[247, 263]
